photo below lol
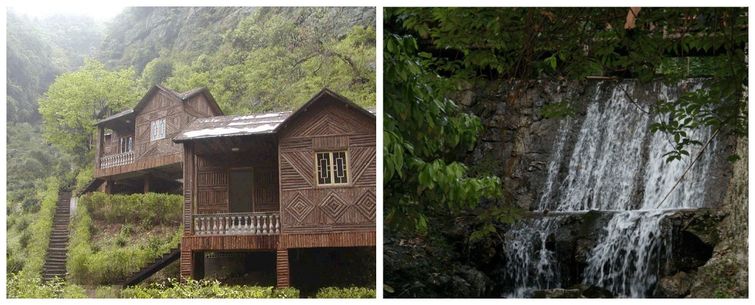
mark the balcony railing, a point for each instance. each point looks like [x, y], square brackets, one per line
[237, 224]
[117, 159]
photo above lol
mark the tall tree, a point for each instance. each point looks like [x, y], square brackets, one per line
[76, 100]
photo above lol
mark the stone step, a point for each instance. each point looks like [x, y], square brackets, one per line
[60, 270]
[56, 262]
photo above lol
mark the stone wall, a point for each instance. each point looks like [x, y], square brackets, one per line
[725, 274]
[517, 141]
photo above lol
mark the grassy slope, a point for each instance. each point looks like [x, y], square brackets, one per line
[114, 236]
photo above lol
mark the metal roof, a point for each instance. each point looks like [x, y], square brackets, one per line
[232, 125]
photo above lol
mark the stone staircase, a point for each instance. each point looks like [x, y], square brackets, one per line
[57, 250]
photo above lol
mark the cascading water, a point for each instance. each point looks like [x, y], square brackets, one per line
[616, 166]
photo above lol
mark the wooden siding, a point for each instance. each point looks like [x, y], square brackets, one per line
[189, 168]
[140, 164]
[150, 154]
[198, 106]
[186, 263]
[330, 239]
[230, 242]
[162, 105]
[309, 208]
[282, 274]
[212, 176]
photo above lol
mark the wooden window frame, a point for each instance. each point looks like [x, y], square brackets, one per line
[332, 168]
[129, 144]
[157, 130]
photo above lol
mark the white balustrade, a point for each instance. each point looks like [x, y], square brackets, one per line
[117, 159]
[237, 224]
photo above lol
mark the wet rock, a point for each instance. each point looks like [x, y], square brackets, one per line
[694, 234]
[557, 293]
[597, 292]
[592, 291]
[675, 286]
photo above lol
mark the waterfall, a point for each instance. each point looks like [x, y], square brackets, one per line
[617, 166]
[532, 263]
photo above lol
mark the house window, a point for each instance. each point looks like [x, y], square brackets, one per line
[157, 128]
[127, 144]
[332, 168]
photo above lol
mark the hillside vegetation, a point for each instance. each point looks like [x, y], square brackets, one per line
[64, 73]
[113, 236]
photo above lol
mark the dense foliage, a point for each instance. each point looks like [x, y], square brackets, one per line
[424, 133]
[76, 100]
[431, 199]
[148, 209]
[434, 53]
[99, 257]
[277, 59]
[25, 285]
[205, 289]
[345, 293]
[29, 254]
[667, 43]
[38, 50]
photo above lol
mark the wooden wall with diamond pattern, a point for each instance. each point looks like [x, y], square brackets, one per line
[306, 207]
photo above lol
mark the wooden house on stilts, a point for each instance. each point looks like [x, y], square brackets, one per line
[261, 183]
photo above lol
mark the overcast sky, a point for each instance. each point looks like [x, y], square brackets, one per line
[98, 12]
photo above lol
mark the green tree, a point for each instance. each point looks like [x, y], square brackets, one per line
[156, 72]
[276, 59]
[423, 134]
[76, 100]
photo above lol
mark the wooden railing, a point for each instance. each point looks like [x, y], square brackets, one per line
[117, 159]
[237, 224]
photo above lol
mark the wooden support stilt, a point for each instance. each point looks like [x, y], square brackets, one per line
[109, 186]
[187, 264]
[282, 269]
[146, 184]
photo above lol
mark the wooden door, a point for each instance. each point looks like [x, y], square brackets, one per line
[241, 190]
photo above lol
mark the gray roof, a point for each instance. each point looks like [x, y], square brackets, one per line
[232, 125]
[116, 116]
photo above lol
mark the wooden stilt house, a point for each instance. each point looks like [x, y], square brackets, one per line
[273, 182]
[134, 150]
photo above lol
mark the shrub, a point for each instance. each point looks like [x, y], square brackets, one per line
[111, 264]
[41, 228]
[29, 285]
[84, 177]
[107, 292]
[345, 293]
[205, 289]
[142, 209]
